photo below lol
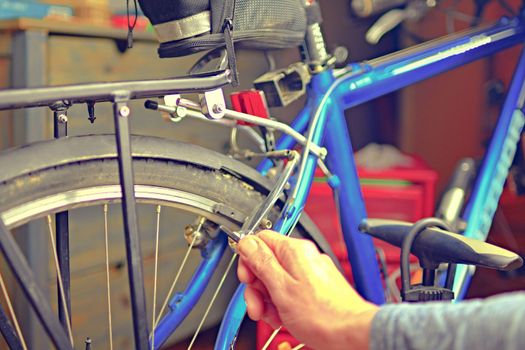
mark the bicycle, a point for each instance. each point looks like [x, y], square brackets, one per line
[41, 180]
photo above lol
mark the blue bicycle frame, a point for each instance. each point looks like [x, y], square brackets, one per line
[333, 91]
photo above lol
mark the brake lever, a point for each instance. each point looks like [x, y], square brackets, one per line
[413, 11]
[385, 24]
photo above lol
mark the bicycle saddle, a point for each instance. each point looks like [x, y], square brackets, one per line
[435, 246]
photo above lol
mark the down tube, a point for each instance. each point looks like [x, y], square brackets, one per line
[494, 169]
[351, 207]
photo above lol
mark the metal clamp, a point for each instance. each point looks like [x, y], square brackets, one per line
[213, 104]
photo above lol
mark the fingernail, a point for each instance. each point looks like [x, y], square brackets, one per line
[247, 246]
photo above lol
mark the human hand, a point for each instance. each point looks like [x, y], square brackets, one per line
[290, 283]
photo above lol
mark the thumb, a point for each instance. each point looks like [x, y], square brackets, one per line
[261, 260]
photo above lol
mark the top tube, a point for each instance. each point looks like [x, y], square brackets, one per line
[359, 83]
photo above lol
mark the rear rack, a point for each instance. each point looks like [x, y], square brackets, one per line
[106, 92]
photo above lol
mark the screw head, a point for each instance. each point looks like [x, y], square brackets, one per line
[62, 118]
[124, 111]
[218, 108]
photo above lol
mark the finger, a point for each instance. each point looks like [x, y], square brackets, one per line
[247, 277]
[275, 240]
[271, 316]
[272, 238]
[254, 303]
[295, 255]
[328, 260]
[244, 273]
[258, 285]
[281, 246]
[263, 263]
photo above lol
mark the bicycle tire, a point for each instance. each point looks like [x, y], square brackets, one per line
[53, 169]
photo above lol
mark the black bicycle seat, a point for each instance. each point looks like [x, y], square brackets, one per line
[436, 246]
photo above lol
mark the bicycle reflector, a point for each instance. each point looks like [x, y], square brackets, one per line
[251, 102]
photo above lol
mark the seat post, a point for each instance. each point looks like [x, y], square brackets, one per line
[315, 44]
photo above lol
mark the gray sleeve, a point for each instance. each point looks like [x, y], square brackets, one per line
[493, 323]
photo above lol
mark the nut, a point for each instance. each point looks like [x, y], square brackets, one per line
[124, 111]
[194, 234]
[62, 118]
[218, 108]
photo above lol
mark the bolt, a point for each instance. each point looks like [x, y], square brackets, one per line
[267, 224]
[218, 108]
[62, 118]
[323, 152]
[91, 112]
[88, 343]
[233, 245]
[124, 111]
[182, 112]
[193, 235]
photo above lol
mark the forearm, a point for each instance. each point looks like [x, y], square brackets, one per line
[493, 323]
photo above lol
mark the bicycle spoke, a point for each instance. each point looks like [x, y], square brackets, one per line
[271, 338]
[59, 277]
[155, 277]
[230, 264]
[62, 248]
[173, 285]
[108, 288]
[12, 312]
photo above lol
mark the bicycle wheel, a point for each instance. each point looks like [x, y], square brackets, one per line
[80, 174]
